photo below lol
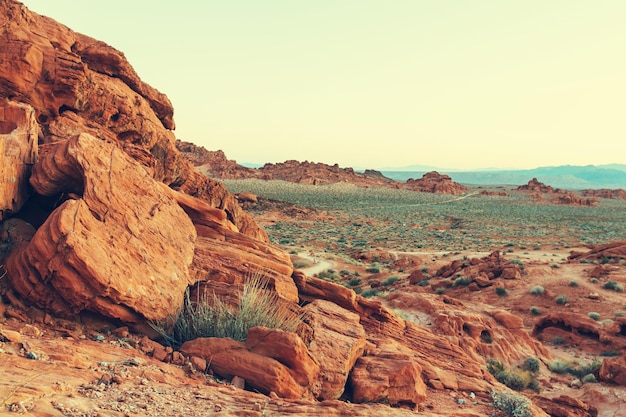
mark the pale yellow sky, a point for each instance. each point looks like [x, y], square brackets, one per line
[447, 83]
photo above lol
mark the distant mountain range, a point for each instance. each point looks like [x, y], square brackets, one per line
[572, 177]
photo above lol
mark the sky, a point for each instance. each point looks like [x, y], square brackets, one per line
[379, 83]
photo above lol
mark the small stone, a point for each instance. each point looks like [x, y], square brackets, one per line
[98, 338]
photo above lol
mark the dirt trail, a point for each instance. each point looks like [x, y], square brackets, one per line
[319, 264]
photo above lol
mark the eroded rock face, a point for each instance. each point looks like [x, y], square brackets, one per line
[389, 374]
[434, 182]
[229, 359]
[613, 252]
[117, 245]
[613, 370]
[18, 152]
[77, 84]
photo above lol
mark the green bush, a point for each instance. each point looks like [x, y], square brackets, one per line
[593, 315]
[212, 317]
[573, 283]
[518, 263]
[558, 367]
[512, 378]
[535, 311]
[537, 290]
[354, 282]
[531, 364]
[329, 275]
[612, 285]
[501, 291]
[461, 281]
[424, 283]
[511, 404]
[561, 299]
[371, 292]
[390, 281]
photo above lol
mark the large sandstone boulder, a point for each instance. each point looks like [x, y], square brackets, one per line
[116, 244]
[18, 152]
[388, 373]
[337, 341]
[271, 361]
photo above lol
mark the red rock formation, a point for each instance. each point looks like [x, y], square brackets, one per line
[77, 84]
[604, 193]
[536, 186]
[18, 152]
[572, 199]
[97, 250]
[613, 251]
[434, 182]
[213, 163]
[482, 271]
[613, 370]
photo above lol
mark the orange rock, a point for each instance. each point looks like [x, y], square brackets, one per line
[18, 152]
[104, 251]
[338, 341]
[229, 358]
[434, 182]
[288, 349]
[613, 370]
[388, 374]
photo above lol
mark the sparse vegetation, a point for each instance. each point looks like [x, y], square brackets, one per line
[561, 299]
[390, 281]
[535, 311]
[461, 281]
[573, 283]
[371, 292]
[613, 285]
[537, 290]
[513, 378]
[531, 364]
[210, 316]
[512, 404]
[593, 315]
[424, 282]
[501, 291]
[574, 368]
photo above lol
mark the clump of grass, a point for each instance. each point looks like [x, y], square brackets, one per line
[513, 378]
[210, 316]
[531, 364]
[501, 291]
[573, 283]
[424, 283]
[302, 263]
[561, 299]
[390, 281]
[354, 282]
[535, 311]
[558, 340]
[577, 370]
[612, 285]
[371, 292]
[461, 281]
[518, 262]
[329, 275]
[537, 290]
[593, 315]
[511, 404]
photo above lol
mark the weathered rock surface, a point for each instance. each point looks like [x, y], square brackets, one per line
[613, 370]
[614, 252]
[229, 358]
[77, 84]
[388, 374]
[482, 271]
[605, 193]
[434, 182]
[337, 340]
[565, 406]
[536, 186]
[117, 245]
[18, 152]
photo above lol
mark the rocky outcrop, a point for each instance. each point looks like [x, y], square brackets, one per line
[482, 271]
[572, 199]
[434, 182]
[77, 84]
[613, 370]
[605, 193]
[536, 186]
[612, 252]
[18, 152]
[116, 244]
[213, 163]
